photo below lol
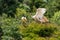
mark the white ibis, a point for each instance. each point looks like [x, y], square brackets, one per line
[39, 16]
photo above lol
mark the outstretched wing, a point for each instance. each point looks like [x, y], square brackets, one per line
[40, 11]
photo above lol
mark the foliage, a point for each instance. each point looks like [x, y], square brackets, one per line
[1, 33]
[46, 32]
[25, 7]
[56, 18]
[10, 30]
[13, 28]
[51, 6]
[8, 7]
[35, 31]
[20, 12]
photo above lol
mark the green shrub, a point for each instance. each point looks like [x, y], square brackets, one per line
[26, 38]
[20, 12]
[46, 32]
[56, 18]
[1, 33]
[42, 29]
[10, 30]
[37, 30]
[7, 38]
[25, 7]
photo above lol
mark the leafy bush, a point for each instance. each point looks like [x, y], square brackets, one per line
[22, 13]
[35, 30]
[10, 30]
[56, 18]
[46, 32]
[8, 7]
[25, 7]
[1, 33]
[13, 30]
[43, 29]
[52, 38]
[7, 38]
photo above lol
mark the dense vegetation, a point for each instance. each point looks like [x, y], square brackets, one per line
[12, 28]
